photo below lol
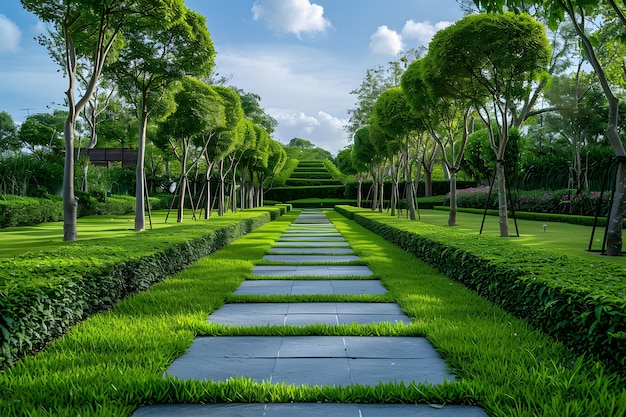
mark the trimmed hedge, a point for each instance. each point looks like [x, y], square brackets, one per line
[297, 193]
[440, 188]
[29, 211]
[43, 294]
[580, 302]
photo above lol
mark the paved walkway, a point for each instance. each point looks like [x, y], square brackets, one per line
[311, 360]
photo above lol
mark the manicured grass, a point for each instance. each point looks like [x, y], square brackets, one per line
[567, 238]
[114, 362]
[18, 240]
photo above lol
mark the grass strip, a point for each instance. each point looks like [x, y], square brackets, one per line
[114, 362]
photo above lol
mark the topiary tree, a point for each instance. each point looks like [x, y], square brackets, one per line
[492, 61]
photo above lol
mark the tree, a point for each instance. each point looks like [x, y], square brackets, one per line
[8, 133]
[376, 81]
[363, 158]
[199, 110]
[221, 142]
[579, 13]
[90, 31]
[393, 114]
[442, 114]
[492, 61]
[42, 131]
[251, 104]
[153, 60]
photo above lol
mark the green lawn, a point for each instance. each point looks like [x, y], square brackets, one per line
[112, 363]
[17, 240]
[570, 239]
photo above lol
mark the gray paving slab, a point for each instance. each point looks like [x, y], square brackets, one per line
[308, 410]
[311, 244]
[311, 238]
[301, 314]
[311, 251]
[309, 360]
[301, 287]
[310, 258]
[312, 270]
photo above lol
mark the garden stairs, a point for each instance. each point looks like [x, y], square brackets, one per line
[311, 360]
[310, 179]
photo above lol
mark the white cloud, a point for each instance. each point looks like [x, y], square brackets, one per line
[323, 130]
[424, 31]
[306, 90]
[9, 36]
[291, 16]
[385, 41]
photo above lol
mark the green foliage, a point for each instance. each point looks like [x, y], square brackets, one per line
[480, 159]
[281, 178]
[303, 149]
[45, 293]
[334, 171]
[28, 211]
[21, 173]
[8, 133]
[577, 301]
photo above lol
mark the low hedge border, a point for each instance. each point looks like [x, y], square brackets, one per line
[581, 303]
[43, 294]
[18, 211]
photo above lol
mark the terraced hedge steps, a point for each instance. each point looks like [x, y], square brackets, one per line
[310, 179]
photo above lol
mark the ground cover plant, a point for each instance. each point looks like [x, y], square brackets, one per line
[113, 362]
[580, 302]
[45, 292]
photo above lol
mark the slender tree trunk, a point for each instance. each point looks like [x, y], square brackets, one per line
[375, 195]
[453, 205]
[410, 200]
[428, 182]
[614, 230]
[359, 192]
[222, 202]
[207, 211]
[502, 206]
[183, 183]
[140, 192]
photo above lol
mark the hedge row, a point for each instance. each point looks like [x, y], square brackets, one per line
[29, 211]
[297, 193]
[580, 302]
[311, 182]
[43, 294]
[440, 188]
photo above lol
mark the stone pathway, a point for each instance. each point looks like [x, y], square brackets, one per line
[311, 360]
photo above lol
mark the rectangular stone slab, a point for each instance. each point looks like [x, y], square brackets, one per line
[311, 360]
[312, 251]
[311, 244]
[308, 410]
[300, 314]
[312, 270]
[301, 287]
[310, 258]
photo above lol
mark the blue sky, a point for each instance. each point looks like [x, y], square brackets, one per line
[303, 57]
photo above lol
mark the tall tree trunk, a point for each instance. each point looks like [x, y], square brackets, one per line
[140, 192]
[359, 191]
[375, 195]
[70, 204]
[222, 199]
[502, 207]
[428, 182]
[614, 229]
[207, 211]
[453, 205]
[408, 185]
[183, 183]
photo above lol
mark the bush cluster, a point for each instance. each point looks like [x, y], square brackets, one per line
[440, 188]
[26, 211]
[29, 211]
[43, 294]
[537, 201]
[581, 303]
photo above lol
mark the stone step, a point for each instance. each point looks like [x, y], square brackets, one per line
[307, 287]
[311, 258]
[312, 271]
[300, 314]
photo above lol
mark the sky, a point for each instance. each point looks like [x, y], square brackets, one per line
[302, 57]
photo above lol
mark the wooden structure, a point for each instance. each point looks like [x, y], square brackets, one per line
[104, 156]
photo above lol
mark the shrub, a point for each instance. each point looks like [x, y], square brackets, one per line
[43, 294]
[580, 302]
